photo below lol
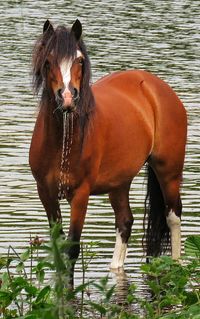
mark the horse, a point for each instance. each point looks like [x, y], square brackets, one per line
[92, 139]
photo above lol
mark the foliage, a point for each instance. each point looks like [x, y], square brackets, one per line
[173, 287]
[192, 246]
[35, 287]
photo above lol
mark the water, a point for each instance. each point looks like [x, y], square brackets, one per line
[162, 37]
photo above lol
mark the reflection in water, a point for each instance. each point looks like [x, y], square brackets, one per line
[122, 286]
[162, 37]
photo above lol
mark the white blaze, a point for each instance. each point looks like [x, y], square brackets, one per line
[119, 252]
[65, 69]
[174, 224]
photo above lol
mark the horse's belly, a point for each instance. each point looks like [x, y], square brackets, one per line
[120, 166]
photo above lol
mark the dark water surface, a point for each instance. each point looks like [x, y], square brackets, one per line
[160, 36]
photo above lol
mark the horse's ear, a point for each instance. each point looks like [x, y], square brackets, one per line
[77, 29]
[48, 27]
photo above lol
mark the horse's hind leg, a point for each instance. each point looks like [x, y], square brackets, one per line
[173, 213]
[119, 199]
[170, 181]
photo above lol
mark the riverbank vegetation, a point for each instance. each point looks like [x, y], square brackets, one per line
[32, 286]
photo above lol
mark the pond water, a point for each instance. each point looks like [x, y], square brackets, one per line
[161, 37]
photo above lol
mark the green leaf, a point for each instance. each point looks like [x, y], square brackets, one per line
[5, 281]
[42, 265]
[145, 267]
[25, 255]
[20, 267]
[190, 298]
[56, 231]
[104, 281]
[149, 308]
[192, 246]
[43, 294]
[5, 298]
[3, 262]
[31, 290]
[19, 282]
[99, 287]
[58, 259]
[154, 287]
[98, 307]
[132, 288]
[193, 312]
[168, 301]
[109, 293]
[130, 298]
[81, 288]
[40, 275]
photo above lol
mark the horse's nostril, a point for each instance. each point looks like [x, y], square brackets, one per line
[75, 94]
[59, 93]
[58, 96]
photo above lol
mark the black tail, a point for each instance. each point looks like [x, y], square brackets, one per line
[156, 231]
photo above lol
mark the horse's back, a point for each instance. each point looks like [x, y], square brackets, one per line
[120, 94]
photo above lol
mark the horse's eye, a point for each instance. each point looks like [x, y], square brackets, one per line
[79, 61]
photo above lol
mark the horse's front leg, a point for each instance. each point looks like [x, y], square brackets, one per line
[51, 205]
[78, 211]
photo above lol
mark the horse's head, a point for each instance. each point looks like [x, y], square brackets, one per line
[61, 66]
[65, 68]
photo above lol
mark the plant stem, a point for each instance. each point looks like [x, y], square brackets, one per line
[83, 280]
[10, 277]
[31, 270]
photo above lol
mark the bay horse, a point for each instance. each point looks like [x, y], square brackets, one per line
[94, 139]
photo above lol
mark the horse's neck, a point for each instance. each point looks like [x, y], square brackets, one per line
[52, 130]
[58, 126]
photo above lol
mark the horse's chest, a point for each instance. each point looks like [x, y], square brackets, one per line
[65, 176]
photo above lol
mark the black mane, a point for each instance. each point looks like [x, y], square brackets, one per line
[61, 44]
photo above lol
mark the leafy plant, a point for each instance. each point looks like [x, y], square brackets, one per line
[175, 286]
[192, 246]
[35, 287]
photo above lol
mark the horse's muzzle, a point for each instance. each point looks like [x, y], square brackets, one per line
[67, 100]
